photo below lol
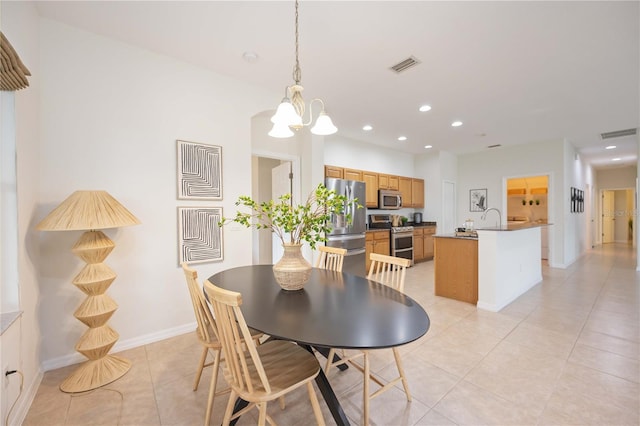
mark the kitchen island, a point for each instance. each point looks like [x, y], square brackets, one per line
[508, 263]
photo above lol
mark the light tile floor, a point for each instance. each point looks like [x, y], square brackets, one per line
[564, 353]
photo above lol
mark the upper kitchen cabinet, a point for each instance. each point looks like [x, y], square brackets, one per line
[405, 190]
[351, 174]
[333, 172]
[388, 182]
[371, 181]
[417, 192]
[412, 191]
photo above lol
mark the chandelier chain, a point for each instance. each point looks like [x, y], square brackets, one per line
[297, 73]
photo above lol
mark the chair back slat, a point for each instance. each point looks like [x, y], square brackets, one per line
[242, 361]
[206, 324]
[388, 270]
[331, 258]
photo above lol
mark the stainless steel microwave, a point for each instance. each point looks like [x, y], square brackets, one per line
[389, 199]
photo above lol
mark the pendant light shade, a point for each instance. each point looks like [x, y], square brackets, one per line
[281, 131]
[324, 126]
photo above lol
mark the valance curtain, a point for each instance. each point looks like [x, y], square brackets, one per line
[13, 73]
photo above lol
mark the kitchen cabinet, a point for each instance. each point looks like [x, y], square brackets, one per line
[371, 181]
[456, 268]
[377, 242]
[351, 174]
[388, 182]
[429, 250]
[423, 243]
[405, 190]
[417, 193]
[333, 172]
[418, 244]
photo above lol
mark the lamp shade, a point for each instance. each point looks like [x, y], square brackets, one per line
[280, 130]
[324, 126]
[286, 114]
[85, 210]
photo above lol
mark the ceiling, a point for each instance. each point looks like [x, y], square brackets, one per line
[512, 72]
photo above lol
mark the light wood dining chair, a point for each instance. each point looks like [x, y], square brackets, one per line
[390, 271]
[258, 374]
[330, 258]
[208, 337]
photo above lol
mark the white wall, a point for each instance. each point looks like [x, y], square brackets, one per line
[20, 25]
[619, 178]
[110, 117]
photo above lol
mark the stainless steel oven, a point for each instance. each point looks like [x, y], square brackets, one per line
[402, 242]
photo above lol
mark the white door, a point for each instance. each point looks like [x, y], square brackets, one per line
[608, 216]
[448, 208]
[281, 183]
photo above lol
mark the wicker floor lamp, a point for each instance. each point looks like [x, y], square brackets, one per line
[90, 211]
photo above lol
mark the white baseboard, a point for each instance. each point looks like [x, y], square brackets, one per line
[123, 345]
[26, 399]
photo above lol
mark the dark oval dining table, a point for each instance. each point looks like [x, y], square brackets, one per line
[333, 310]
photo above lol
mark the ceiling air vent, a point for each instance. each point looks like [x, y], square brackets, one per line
[619, 133]
[405, 65]
[494, 146]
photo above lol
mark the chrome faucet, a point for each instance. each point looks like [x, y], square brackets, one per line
[484, 215]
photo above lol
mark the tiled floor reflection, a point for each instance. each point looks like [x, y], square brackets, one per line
[564, 353]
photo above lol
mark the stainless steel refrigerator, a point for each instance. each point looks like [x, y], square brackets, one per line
[350, 236]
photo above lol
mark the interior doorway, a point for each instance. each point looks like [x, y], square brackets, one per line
[270, 179]
[528, 201]
[616, 215]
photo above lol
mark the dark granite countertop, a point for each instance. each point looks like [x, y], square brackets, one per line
[421, 224]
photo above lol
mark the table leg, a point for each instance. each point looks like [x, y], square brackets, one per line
[325, 352]
[329, 396]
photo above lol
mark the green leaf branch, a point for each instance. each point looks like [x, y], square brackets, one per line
[309, 222]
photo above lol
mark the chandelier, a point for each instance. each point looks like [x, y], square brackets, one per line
[291, 109]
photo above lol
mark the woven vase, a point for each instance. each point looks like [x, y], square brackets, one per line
[292, 271]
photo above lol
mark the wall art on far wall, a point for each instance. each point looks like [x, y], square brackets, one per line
[477, 200]
[577, 200]
[199, 171]
[199, 236]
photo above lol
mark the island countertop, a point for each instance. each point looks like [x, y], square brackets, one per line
[514, 226]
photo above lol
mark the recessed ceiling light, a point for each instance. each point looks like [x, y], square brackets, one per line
[402, 138]
[428, 146]
[616, 159]
[611, 147]
[367, 127]
[456, 124]
[425, 108]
